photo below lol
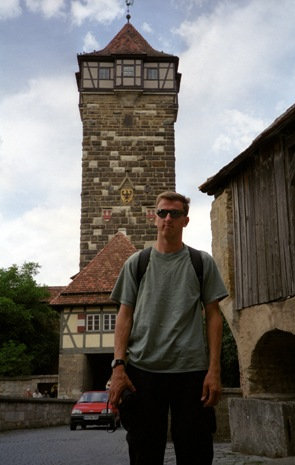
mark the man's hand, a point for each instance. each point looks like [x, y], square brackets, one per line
[211, 389]
[119, 382]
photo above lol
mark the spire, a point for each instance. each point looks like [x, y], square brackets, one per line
[128, 4]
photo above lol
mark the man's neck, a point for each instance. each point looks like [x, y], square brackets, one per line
[163, 246]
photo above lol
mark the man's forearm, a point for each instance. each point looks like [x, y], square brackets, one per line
[120, 380]
[122, 331]
[214, 334]
[212, 382]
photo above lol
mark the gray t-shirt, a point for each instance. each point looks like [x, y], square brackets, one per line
[167, 332]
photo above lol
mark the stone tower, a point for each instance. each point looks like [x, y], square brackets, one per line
[128, 106]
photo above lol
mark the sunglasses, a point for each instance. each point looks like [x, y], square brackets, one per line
[173, 213]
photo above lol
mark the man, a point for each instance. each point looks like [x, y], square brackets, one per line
[160, 325]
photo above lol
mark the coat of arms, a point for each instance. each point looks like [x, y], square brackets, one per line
[126, 195]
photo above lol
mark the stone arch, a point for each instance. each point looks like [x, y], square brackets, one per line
[272, 364]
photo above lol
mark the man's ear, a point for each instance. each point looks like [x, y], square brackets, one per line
[186, 221]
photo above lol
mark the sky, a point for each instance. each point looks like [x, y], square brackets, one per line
[237, 60]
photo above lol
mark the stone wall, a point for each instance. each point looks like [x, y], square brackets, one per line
[18, 386]
[74, 375]
[16, 413]
[33, 413]
[263, 427]
[222, 414]
[222, 237]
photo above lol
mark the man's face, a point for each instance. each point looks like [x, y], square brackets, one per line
[168, 227]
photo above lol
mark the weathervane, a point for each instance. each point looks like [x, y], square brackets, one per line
[128, 3]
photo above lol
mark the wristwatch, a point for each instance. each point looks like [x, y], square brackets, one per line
[118, 361]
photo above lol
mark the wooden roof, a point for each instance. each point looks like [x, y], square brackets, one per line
[94, 283]
[217, 182]
[128, 41]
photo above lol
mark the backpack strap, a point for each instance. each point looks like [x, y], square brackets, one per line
[143, 261]
[197, 263]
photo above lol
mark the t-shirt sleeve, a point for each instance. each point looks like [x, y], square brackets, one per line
[125, 289]
[213, 285]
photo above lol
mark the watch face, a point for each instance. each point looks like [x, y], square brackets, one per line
[117, 362]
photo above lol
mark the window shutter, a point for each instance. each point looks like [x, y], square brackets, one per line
[81, 323]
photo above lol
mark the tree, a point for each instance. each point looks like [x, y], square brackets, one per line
[29, 329]
[230, 372]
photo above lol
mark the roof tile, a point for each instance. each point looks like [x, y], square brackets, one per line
[129, 41]
[96, 280]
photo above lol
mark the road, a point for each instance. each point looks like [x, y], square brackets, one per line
[94, 446]
[60, 446]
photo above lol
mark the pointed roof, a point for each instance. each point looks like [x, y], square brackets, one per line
[95, 282]
[129, 41]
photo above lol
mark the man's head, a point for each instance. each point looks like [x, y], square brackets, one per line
[174, 196]
[171, 218]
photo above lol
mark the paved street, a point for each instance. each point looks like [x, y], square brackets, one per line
[60, 446]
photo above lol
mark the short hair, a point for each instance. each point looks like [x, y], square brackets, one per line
[170, 195]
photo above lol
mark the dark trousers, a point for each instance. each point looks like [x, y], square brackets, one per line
[147, 418]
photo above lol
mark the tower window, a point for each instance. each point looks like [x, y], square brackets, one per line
[128, 71]
[104, 73]
[152, 73]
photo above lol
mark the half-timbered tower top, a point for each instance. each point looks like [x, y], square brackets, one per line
[128, 61]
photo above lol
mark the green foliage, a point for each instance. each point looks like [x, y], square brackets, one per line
[29, 329]
[14, 359]
[230, 373]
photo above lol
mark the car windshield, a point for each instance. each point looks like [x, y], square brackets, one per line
[94, 397]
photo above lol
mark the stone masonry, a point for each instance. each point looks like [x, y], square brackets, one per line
[128, 147]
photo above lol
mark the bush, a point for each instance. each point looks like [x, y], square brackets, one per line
[29, 328]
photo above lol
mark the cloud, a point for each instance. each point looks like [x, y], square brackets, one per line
[237, 44]
[48, 236]
[40, 135]
[10, 9]
[198, 232]
[233, 82]
[147, 28]
[90, 43]
[237, 131]
[49, 8]
[102, 11]
[40, 157]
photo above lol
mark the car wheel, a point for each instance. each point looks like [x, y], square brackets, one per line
[73, 427]
[83, 426]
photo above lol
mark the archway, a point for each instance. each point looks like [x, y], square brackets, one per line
[272, 364]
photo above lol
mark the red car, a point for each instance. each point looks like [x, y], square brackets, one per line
[93, 409]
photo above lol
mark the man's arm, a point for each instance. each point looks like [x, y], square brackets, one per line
[212, 383]
[120, 380]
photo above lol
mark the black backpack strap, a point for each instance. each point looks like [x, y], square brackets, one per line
[143, 261]
[197, 262]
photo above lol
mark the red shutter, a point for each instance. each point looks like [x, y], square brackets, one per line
[81, 323]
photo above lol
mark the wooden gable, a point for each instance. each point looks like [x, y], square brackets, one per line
[262, 181]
